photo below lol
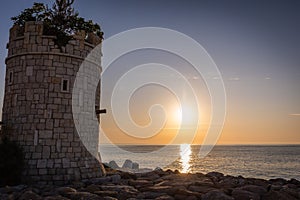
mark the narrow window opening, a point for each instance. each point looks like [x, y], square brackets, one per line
[65, 85]
[10, 77]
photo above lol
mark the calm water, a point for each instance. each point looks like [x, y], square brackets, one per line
[249, 161]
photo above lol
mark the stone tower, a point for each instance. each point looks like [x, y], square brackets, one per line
[37, 108]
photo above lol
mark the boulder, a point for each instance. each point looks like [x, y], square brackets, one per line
[244, 195]
[57, 197]
[84, 195]
[64, 190]
[135, 165]
[201, 189]
[271, 195]
[113, 164]
[151, 195]
[254, 189]
[158, 189]
[164, 197]
[115, 178]
[107, 193]
[216, 194]
[92, 188]
[140, 183]
[98, 181]
[30, 195]
[127, 164]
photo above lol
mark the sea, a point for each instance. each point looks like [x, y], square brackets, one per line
[255, 161]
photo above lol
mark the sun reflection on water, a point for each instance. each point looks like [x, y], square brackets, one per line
[185, 153]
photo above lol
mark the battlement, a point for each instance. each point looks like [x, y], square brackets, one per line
[31, 39]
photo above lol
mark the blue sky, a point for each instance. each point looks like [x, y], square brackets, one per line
[255, 44]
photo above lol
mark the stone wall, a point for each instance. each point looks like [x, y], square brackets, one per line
[37, 109]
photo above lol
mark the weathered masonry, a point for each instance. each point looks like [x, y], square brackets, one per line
[37, 108]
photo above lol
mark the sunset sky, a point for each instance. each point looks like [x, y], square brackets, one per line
[255, 45]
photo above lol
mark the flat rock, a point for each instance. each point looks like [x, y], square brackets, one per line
[180, 196]
[115, 178]
[117, 188]
[107, 193]
[64, 190]
[159, 189]
[140, 183]
[201, 189]
[187, 193]
[254, 189]
[274, 195]
[83, 196]
[164, 197]
[215, 174]
[151, 195]
[244, 195]
[92, 188]
[57, 197]
[30, 195]
[102, 180]
[216, 194]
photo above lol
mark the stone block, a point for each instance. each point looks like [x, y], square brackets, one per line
[45, 134]
[57, 177]
[39, 149]
[32, 40]
[61, 70]
[40, 126]
[50, 164]
[77, 149]
[66, 163]
[65, 144]
[40, 76]
[64, 149]
[45, 41]
[68, 116]
[50, 142]
[55, 79]
[63, 136]
[48, 62]
[73, 164]
[42, 171]
[30, 62]
[46, 152]
[56, 123]
[57, 101]
[49, 124]
[29, 71]
[29, 95]
[32, 172]
[41, 163]
[36, 97]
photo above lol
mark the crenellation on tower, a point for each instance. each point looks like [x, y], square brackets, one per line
[38, 104]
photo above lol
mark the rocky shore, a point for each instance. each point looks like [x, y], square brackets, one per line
[160, 185]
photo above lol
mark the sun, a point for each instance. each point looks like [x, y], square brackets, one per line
[177, 115]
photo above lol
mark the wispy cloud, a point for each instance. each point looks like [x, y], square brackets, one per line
[295, 114]
[267, 78]
[234, 79]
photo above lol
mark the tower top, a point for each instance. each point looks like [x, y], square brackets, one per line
[33, 39]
